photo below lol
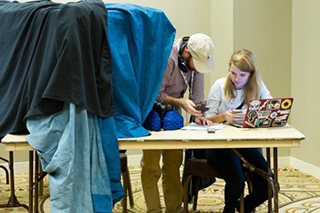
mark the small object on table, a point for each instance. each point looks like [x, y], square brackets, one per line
[211, 129]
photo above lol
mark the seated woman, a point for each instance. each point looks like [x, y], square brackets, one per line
[242, 84]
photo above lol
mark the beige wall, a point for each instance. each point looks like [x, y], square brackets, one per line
[19, 156]
[222, 34]
[187, 16]
[305, 77]
[264, 27]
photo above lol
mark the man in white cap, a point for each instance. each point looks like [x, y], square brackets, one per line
[189, 59]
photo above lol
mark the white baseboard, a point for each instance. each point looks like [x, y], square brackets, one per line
[305, 167]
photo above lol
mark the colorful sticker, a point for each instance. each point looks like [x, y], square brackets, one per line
[286, 104]
[280, 118]
[283, 112]
[273, 115]
[274, 104]
[265, 123]
[254, 105]
[256, 122]
[263, 105]
[249, 124]
[279, 123]
[264, 114]
[251, 115]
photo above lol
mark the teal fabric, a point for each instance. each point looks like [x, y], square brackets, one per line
[140, 41]
[110, 147]
[70, 148]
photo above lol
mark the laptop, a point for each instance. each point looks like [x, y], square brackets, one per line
[262, 113]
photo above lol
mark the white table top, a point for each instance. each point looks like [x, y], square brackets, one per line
[229, 137]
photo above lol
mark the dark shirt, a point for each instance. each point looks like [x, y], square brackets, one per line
[50, 54]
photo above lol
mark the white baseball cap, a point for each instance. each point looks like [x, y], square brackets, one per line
[201, 48]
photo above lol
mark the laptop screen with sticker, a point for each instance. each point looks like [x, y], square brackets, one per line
[273, 112]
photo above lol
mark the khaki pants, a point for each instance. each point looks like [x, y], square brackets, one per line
[172, 186]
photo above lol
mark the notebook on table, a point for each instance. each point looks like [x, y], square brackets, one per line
[273, 112]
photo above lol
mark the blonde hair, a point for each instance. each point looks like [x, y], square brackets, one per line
[246, 62]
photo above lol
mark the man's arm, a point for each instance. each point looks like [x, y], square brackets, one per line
[186, 104]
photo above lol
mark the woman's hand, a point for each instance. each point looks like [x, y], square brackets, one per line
[228, 116]
[239, 116]
[234, 116]
[189, 107]
[203, 121]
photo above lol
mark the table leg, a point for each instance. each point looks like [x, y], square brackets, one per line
[41, 181]
[275, 182]
[36, 184]
[30, 181]
[13, 201]
[269, 185]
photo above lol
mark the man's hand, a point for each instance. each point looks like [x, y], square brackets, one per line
[189, 107]
[203, 121]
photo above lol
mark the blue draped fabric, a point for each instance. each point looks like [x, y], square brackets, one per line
[111, 151]
[71, 151]
[140, 41]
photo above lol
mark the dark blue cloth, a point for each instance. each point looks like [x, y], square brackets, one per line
[140, 41]
[172, 120]
[153, 121]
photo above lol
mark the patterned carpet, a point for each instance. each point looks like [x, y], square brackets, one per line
[21, 191]
[300, 193]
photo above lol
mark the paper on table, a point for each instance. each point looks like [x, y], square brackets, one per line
[196, 127]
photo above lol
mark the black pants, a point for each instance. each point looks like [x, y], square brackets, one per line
[229, 166]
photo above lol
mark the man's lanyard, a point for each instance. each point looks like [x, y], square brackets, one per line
[188, 85]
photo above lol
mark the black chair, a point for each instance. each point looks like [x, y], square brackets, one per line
[126, 182]
[200, 168]
[5, 169]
